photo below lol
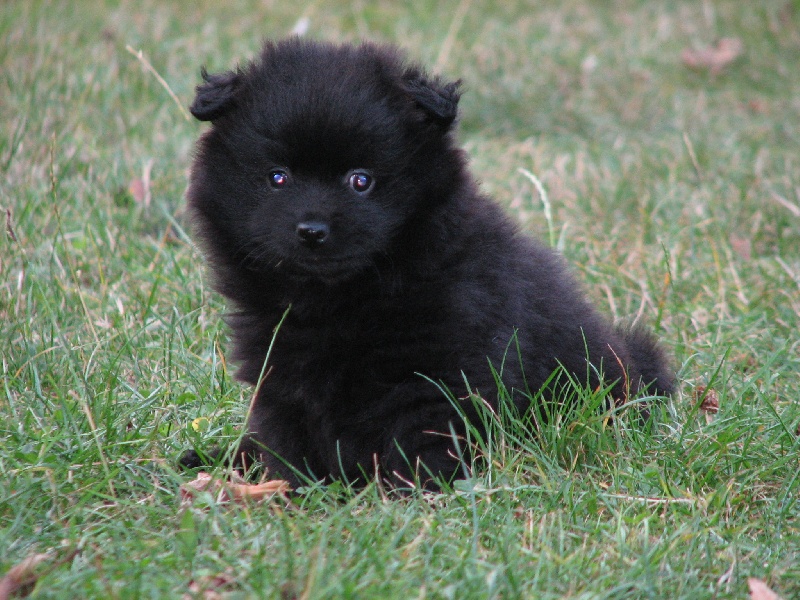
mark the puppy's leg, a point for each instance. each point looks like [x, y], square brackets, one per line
[192, 459]
[425, 457]
[244, 457]
[276, 438]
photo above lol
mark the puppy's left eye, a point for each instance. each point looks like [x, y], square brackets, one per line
[278, 178]
[360, 182]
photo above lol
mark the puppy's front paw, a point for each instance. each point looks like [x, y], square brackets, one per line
[192, 459]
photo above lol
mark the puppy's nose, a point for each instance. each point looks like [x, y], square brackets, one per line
[312, 233]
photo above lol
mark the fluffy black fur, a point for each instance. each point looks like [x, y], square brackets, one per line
[330, 184]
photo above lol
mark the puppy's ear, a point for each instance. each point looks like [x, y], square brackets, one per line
[439, 100]
[216, 95]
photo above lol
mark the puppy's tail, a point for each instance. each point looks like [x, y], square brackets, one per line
[649, 359]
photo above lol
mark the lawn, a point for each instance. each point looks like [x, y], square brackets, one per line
[673, 191]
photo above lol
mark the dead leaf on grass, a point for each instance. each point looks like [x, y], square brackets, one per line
[139, 188]
[760, 591]
[235, 490]
[759, 107]
[744, 362]
[210, 587]
[708, 399]
[21, 578]
[713, 59]
[742, 246]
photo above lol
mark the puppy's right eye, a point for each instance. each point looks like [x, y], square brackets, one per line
[360, 182]
[278, 178]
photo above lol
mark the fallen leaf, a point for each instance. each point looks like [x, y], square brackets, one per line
[742, 246]
[760, 591]
[207, 587]
[713, 58]
[758, 107]
[138, 191]
[744, 362]
[236, 489]
[21, 578]
[709, 401]
[139, 188]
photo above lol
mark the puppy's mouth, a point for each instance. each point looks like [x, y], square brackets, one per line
[326, 269]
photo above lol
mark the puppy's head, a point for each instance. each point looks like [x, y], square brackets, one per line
[318, 156]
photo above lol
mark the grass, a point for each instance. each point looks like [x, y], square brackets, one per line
[674, 193]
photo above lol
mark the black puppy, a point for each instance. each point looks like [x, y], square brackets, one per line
[330, 189]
